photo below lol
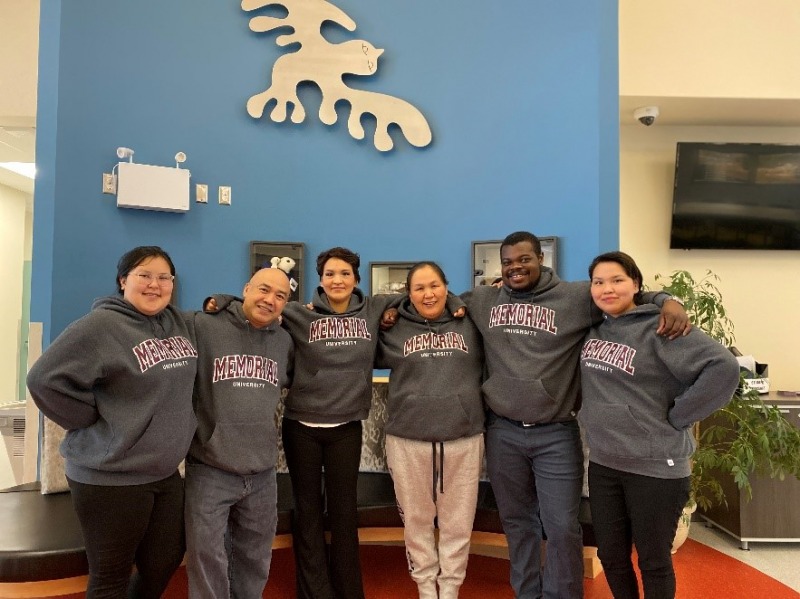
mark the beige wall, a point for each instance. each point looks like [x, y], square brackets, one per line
[710, 48]
[13, 232]
[18, 18]
[761, 289]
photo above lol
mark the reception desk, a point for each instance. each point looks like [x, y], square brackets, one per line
[773, 513]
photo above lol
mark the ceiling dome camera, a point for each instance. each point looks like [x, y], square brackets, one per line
[646, 115]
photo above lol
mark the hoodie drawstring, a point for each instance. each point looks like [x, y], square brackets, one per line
[157, 326]
[438, 469]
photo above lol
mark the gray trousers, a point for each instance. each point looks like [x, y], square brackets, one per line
[537, 476]
[436, 480]
[230, 526]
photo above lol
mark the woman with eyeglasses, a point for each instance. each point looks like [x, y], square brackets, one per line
[120, 381]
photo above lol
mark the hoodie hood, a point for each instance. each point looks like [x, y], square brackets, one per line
[323, 306]
[236, 309]
[547, 281]
[161, 324]
[407, 310]
[638, 311]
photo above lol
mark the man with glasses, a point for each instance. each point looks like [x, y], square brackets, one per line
[231, 489]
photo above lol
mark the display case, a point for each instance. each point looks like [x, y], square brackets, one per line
[388, 277]
[285, 255]
[486, 259]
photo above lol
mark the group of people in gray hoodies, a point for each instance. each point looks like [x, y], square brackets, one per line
[139, 386]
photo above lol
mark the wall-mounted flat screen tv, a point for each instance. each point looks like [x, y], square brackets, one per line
[736, 196]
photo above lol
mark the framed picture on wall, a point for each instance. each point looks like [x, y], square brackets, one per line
[486, 259]
[286, 255]
[388, 277]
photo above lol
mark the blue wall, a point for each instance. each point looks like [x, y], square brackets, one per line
[521, 97]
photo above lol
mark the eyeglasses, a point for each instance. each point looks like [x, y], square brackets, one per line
[145, 278]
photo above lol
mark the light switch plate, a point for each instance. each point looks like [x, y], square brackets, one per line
[109, 183]
[225, 195]
[201, 193]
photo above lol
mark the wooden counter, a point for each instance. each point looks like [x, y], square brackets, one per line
[773, 514]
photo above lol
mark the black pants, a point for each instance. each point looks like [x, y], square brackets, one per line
[127, 525]
[631, 508]
[337, 450]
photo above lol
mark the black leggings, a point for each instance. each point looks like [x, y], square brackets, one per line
[127, 525]
[641, 510]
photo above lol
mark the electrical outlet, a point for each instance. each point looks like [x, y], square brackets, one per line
[225, 195]
[109, 183]
[201, 193]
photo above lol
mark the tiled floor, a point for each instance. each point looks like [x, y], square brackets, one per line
[780, 561]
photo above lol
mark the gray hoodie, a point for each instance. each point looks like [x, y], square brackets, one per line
[334, 356]
[121, 383]
[532, 341]
[642, 392]
[240, 373]
[435, 385]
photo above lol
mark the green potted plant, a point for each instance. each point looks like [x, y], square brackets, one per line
[763, 440]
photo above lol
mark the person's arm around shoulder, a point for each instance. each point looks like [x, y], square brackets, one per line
[674, 321]
[218, 302]
[471, 297]
[389, 303]
[455, 305]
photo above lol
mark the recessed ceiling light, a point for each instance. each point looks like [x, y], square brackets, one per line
[26, 169]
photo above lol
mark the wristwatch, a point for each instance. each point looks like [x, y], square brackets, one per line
[675, 299]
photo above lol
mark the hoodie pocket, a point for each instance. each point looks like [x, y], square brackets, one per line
[331, 392]
[613, 429]
[88, 446]
[163, 444]
[430, 418]
[520, 399]
[243, 447]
